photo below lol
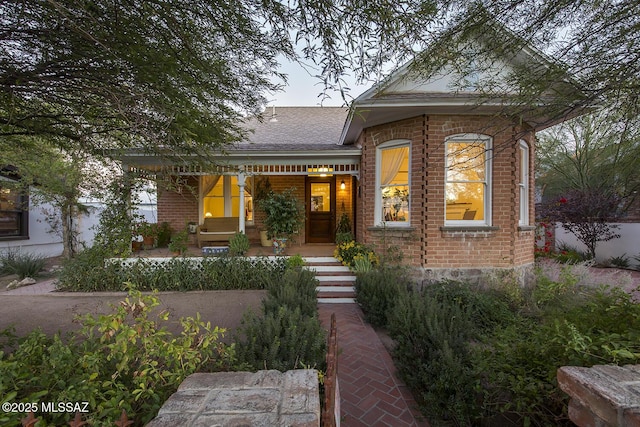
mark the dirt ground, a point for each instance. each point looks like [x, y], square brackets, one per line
[57, 312]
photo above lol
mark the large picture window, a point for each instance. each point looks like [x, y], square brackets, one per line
[392, 183]
[13, 211]
[468, 180]
[221, 197]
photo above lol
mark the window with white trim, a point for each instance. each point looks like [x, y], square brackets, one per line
[392, 183]
[524, 184]
[468, 180]
[220, 196]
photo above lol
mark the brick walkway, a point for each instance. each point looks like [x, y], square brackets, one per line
[371, 394]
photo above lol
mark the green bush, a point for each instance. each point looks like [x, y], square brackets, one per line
[295, 261]
[348, 251]
[433, 357]
[288, 334]
[294, 290]
[91, 271]
[21, 263]
[239, 244]
[377, 292]
[124, 360]
[164, 235]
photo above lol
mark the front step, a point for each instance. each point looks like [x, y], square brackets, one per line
[335, 280]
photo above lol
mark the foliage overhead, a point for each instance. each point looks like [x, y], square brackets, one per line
[595, 152]
[175, 76]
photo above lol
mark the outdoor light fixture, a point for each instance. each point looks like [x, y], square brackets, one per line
[342, 185]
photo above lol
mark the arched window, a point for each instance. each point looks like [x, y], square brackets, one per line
[392, 183]
[468, 180]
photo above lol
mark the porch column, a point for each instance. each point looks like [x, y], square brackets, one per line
[241, 216]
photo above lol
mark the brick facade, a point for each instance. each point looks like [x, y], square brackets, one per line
[427, 243]
[178, 206]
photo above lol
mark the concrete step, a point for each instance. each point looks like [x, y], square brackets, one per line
[335, 280]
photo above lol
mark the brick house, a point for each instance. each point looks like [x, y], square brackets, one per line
[437, 171]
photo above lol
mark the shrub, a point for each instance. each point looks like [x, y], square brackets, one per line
[346, 252]
[377, 292]
[288, 335]
[295, 261]
[621, 261]
[432, 355]
[91, 271]
[239, 244]
[164, 235]
[21, 264]
[123, 360]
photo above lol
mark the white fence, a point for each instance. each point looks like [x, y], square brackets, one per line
[627, 244]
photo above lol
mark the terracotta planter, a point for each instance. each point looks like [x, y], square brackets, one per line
[136, 246]
[148, 241]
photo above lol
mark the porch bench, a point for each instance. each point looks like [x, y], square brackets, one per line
[217, 230]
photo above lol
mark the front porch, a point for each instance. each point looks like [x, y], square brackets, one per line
[302, 249]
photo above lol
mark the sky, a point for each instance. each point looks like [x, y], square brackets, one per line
[303, 89]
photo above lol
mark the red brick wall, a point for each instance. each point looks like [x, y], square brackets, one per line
[178, 208]
[426, 244]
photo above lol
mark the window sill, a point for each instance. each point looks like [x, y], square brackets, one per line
[526, 228]
[9, 238]
[390, 228]
[468, 229]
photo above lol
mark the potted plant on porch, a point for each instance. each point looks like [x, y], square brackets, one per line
[284, 216]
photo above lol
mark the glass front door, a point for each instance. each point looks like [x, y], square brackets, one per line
[320, 203]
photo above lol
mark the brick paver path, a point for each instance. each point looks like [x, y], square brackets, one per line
[371, 394]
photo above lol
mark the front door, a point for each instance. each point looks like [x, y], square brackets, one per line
[321, 210]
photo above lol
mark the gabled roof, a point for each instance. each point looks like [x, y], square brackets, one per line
[295, 129]
[410, 91]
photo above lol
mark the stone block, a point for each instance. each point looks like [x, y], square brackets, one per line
[184, 401]
[264, 398]
[245, 400]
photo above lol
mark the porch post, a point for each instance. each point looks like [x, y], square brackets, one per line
[241, 216]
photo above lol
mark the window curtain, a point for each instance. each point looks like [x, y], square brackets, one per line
[207, 183]
[392, 159]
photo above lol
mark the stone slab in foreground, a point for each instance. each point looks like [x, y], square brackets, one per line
[263, 398]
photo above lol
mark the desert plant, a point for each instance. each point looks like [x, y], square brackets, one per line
[239, 244]
[23, 264]
[621, 261]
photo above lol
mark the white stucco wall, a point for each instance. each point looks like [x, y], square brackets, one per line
[628, 243]
[42, 242]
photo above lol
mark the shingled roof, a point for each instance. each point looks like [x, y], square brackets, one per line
[296, 128]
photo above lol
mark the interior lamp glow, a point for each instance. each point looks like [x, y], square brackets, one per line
[342, 185]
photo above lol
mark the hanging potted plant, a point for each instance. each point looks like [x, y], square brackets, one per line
[284, 216]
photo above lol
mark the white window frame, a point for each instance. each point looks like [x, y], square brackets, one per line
[488, 181]
[378, 220]
[226, 189]
[524, 184]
